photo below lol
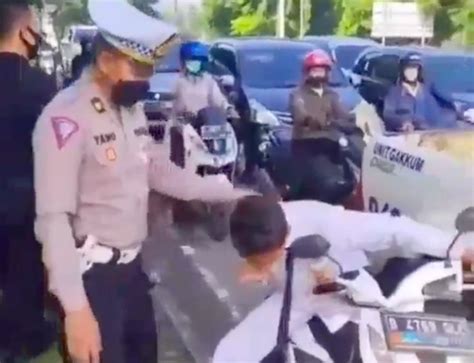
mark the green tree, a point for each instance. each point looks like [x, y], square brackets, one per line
[219, 14]
[325, 17]
[69, 13]
[254, 17]
[356, 17]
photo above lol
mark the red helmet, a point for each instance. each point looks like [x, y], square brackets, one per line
[317, 58]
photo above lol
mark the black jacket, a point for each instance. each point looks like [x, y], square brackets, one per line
[24, 91]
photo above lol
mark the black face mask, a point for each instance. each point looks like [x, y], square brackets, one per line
[316, 82]
[32, 49]
[128, 93]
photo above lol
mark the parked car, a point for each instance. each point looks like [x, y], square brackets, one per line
[451, 72]
[268, 69]
[344, 50]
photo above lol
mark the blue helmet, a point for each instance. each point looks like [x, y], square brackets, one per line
[193, 50]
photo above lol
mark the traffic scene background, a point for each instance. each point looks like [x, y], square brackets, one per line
[256, 52]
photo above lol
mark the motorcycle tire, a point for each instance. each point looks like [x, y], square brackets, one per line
[322, 179]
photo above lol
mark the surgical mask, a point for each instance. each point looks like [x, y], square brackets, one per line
[193, 66]
[32, 49]
[410, 74]
[128, 93]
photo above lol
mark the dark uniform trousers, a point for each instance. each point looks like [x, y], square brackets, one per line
[119, 297]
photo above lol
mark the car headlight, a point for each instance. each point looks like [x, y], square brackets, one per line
[263, 116]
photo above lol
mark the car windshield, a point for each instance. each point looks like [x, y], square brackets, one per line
[346, 55]
[170, 62]
[453, 74]
[278, 68]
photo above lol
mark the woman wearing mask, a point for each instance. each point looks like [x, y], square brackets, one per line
[196, 89]
[412, 104]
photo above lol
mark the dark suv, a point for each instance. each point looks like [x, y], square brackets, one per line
[451, 72]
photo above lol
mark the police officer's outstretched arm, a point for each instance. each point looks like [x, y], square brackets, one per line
[167, 178]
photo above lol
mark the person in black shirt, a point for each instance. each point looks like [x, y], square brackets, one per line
[24, 91]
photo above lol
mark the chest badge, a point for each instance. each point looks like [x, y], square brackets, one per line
[98, 105]
[110, 154]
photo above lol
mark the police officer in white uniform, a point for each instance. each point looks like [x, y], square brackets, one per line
[94, 166]
[262, 228]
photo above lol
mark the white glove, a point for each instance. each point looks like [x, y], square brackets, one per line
[364, 290]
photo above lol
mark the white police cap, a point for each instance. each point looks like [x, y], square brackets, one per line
[134, 33]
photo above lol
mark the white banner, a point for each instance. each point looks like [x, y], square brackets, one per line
[400, 20]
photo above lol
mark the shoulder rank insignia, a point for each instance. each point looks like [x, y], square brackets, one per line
[98, 105]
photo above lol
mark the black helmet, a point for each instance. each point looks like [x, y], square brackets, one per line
[411, 59]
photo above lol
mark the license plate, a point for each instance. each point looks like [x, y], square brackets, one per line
[428, 332]
[214, 132]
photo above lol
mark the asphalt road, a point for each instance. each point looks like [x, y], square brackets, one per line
[170, 345]
[196, 284]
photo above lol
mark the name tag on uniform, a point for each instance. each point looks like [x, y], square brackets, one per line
[105, 138]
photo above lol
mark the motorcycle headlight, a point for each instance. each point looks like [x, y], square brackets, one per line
[262, 115]
[343, 142]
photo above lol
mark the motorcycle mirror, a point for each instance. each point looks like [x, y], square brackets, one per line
[465, 221]
[464, 224]
[310, 247]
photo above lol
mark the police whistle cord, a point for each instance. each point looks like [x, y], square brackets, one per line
[280, 354]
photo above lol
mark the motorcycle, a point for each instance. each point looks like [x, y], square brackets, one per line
[159, 113]
[207, 143]
[324, 168]
[414, 311]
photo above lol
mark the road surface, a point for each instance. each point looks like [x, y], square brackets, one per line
[197, 285]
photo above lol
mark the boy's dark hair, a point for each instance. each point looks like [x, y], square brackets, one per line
[258, 225]
[10, 12]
